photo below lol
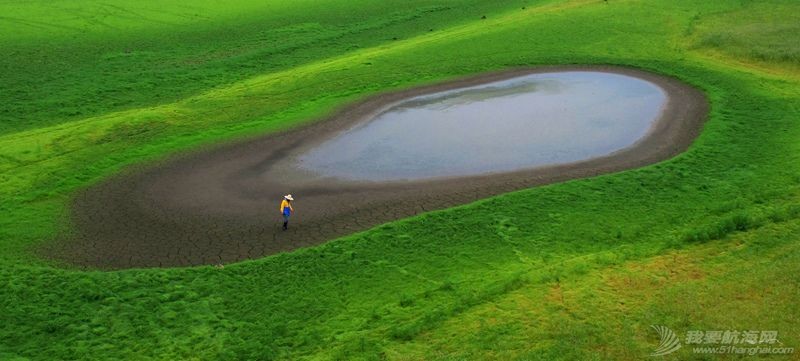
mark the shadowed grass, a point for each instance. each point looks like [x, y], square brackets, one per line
[70, 60]
[757, 32]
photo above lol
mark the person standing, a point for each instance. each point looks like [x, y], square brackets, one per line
[286, 210]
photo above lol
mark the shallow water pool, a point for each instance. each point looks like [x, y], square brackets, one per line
[523, 122]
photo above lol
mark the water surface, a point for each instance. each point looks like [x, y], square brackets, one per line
[524, 122]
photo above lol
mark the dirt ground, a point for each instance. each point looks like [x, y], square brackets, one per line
[220, 205]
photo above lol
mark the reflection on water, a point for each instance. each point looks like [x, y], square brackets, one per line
[524, 122]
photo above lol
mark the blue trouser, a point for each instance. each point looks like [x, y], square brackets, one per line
[286, 213]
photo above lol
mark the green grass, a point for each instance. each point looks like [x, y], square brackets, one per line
[707, 240]
[76, 59]
[757, 33]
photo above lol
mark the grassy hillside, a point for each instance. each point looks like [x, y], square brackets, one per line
[71, 60]
[580, 270]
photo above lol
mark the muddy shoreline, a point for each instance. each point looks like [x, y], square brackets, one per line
[215, 205]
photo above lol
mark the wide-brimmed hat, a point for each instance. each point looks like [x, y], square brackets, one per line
[289, 197]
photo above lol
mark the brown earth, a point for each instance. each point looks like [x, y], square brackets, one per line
[220, 205]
